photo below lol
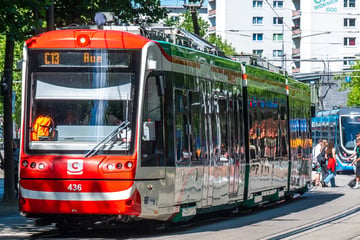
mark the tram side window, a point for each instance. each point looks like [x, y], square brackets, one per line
[223, 114]
[253, 129]
[205, 125]
[195, 108]
[215, 127]
[236, 130]
[283, 147]
[152, 146]
[183, 155]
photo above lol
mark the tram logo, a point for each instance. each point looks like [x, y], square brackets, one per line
[75, 167]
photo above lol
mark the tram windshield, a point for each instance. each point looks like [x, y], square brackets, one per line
[75, 107]
[350, 126]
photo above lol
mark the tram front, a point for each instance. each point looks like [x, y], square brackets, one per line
[79, 122]
[349, 126]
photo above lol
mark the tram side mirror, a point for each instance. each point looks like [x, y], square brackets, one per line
[149, 131]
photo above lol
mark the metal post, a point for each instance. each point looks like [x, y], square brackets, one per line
[193, 8]
[50, 17]
[9, 166]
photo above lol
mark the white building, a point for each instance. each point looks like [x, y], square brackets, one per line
[312, 39]
[256, 27]
[326, 31]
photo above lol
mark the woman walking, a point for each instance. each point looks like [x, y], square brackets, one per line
[331, 165]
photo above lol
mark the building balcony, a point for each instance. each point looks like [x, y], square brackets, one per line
[296, 14]
[295, 70]
[295, 52]
[212, 12]
[212, 29]
[296, 32]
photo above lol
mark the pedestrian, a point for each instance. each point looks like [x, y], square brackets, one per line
[356, 162]
[316, 165]
[317, 150]
[322, 162]
[331, 165]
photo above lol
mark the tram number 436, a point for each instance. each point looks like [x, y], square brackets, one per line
[74, 187]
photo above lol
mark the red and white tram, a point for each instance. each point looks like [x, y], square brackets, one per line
[117, 124]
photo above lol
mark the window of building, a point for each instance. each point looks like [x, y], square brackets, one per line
[278, 4]
[278, 20]
[349, 41]
[257, 3]
[257, 36]
[258, 20]
[277, 36]
[349, 61]
[277, 53]
[258, 52]
[349, 3]
[349, 22]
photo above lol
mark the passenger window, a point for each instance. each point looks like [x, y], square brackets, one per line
[183, 155]
[152, 147]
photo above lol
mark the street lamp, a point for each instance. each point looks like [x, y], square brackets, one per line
[193, 7]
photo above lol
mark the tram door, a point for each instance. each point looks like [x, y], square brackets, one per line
[188, 144]
[207, 146]
[235, 134]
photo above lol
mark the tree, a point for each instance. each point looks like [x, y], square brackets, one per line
[21, 19]
[222, 44]
[83, 12]
[352, 83]
[18, 18]
[187, 24]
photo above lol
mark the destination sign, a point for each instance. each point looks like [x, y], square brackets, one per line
[83, 59]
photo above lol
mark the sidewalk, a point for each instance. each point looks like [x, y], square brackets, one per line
[7, 208]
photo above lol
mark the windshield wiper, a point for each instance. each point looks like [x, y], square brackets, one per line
[107, 139]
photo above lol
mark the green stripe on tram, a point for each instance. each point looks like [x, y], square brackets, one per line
[194, 55]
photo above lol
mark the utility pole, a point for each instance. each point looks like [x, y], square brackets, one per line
[50, 17]
[6, 90]
[193, 8]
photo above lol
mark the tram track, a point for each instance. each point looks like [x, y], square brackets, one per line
[312, 226]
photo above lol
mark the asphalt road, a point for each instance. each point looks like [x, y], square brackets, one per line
[322, 213]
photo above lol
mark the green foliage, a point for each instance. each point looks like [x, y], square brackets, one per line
[353, 86]
[19, 18]
[83, 12]
[222, 44]
[16, 76]
[187, 23]
[19, 21]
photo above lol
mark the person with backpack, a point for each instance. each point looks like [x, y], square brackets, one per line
[316, 165]
[356, 162]
[331, 165]
[322, 162]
